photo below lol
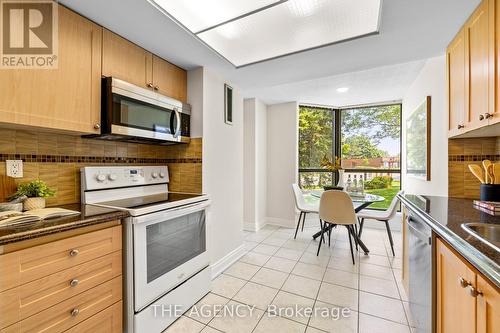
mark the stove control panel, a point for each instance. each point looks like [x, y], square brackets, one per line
[122, 176]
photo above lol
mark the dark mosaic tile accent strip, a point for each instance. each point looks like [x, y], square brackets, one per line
[94, 159]
[473, 158]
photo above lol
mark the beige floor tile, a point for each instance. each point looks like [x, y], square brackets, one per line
[209, 329]
[341, 278]
[396, 263]
[344, 264]
[370, 324]
[230, 322]
[285, 301]
[310, 271]
[281, 264]
[227, 286]
[249, 245]
[336, 323]
[310, 329]
[383, 307]
[256, 294]
[376, 271]
[338, 295]
[266, 249]
[253, 237]
[270, 278]
[313, 259]
[301, 286]
[255, 258]
[374, 260]
[274, 241]
[288, 254]
[206, 308]
[378, 286]
[296, 244]
[406, 306]
[278, 325]
[185, 325]
[242, 270]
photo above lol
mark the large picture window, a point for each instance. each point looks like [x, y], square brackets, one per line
[367, 139]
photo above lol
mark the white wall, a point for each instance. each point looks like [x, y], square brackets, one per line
[282, 162]
[222, 167]
[431, 81]
[255, 164]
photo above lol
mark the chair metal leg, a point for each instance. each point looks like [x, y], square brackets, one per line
[389, 233]
[350, 243]
[304, 220]
[321, 239]
[361, 223]
[298, 224]
[329, 236]
[355, 235]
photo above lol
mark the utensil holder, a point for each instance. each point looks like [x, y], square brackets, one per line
[490, 192]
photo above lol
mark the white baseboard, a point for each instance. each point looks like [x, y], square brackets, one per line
[280, 222]
[222, 264]
[256, 226]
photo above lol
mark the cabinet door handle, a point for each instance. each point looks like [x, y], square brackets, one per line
[481, 117]
[149, 85]
[75, 312]
[156, 88]
[74, 282]
[463, 282]
[460, 126]
[73, 253]
[97, 126]
[474, 292]
[488, 115]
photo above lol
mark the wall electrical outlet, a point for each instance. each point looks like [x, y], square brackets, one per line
[14, 168]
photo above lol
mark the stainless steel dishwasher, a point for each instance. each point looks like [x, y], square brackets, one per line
[421, 278]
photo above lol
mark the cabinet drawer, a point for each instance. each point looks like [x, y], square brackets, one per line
[19, 303]
[73, 311]
[106, 321]
[31, 264]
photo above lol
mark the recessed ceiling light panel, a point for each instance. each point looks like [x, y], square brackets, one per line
[342, 89]
[273, 28]
[198, 15]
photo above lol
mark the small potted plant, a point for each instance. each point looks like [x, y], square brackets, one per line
[335, 165]
[36, 191]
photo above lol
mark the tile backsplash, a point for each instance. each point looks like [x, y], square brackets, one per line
[462, 152]
[57, 159]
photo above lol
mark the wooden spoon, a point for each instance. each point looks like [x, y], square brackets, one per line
[486, 164]
[491, 174]
[496, 173]
[477, 171]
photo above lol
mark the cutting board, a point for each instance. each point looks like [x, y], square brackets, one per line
[7, 187]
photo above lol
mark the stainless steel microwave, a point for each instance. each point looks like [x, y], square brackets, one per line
[135, 114]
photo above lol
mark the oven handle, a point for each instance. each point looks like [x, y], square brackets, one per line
[178, 129]
[171, 213]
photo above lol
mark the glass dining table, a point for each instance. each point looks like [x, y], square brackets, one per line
[360, 201]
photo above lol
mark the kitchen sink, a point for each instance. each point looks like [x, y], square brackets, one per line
[486, 232]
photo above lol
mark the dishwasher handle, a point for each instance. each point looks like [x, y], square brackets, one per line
[419, 234]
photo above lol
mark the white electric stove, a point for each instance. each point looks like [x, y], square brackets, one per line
[165, 258]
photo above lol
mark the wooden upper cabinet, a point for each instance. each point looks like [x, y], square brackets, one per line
[479, 30]
[66, 98]
[456, 309]
[169, 79]
[126, 61]
[455, 63]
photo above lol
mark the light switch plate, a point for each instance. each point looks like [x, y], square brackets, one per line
[14, 168]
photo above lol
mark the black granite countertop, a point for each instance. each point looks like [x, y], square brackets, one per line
[446, 216]
[88, 215]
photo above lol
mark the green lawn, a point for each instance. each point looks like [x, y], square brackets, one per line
[387, 193]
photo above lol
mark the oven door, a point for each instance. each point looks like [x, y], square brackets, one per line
[169, 247]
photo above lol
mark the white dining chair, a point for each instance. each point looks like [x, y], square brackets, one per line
[336, 208]
[303, 207]
[382, 216]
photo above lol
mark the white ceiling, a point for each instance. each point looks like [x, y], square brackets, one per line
[410, 30]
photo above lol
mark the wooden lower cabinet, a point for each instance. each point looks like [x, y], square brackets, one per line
[65, 293]
[459, 308]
